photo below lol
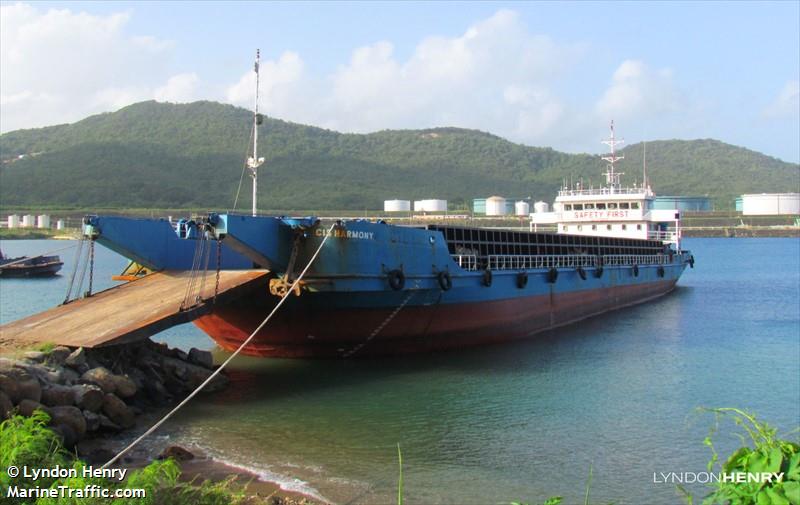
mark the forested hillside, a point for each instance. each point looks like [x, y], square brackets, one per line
[191, 155]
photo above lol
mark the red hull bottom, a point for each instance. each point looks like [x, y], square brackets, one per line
[299, 332]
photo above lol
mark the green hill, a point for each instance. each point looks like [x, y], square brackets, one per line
[191, 156]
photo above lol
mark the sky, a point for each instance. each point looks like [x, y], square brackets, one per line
[549, 74]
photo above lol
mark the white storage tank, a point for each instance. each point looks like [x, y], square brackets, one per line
[60, 224]
[13, 221]
[540, 207]
[43, 221]
[432, 205]
[28, 221]
[495, 206]
[522, 208]
[771, 204]
[396, 206]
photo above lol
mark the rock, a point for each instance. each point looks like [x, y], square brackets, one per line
[92, 420]
[177, 453]
[71, 376]
[19, 385]
[26, 408]
[124, 386]
[67, 434]
[76, 359]
[192, 375]
[5, 406]
[72, 417]
[35, 356]
[59, 354]
[108, 425]
[98, 456]
[202, 358]
[102, 377]
[156, 391]
[56, 394]
[45, 374]
[88, 397]
[117, 411]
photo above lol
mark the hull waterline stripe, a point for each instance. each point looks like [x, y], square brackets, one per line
[225, 363]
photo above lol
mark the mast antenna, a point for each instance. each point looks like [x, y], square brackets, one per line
[644, 166]
[612, 177]
[254, 161]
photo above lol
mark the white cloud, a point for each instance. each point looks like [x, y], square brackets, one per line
[60, 66]
[179, 88]
[496, 77]
[639, 92]
[786, 104]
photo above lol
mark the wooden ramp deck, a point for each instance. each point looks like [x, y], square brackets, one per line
[128, 312]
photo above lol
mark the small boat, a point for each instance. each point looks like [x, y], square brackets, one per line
[36, 266]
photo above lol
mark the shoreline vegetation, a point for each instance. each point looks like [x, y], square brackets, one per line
[68, 407]
[695, 224]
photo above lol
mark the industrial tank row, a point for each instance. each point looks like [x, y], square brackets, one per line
[31, 221]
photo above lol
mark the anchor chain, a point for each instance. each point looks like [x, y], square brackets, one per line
[219, 267]
[91, 268]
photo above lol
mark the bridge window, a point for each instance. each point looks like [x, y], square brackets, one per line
[580, 227]
[624, 226]
[577, 206]
[564, 228]
[608, 227]
[638, 227]
[612, 205]
[588, 206]
[634, 205]
[568, 206]
[624, 205]
[601, 206]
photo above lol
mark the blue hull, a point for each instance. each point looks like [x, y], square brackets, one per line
[377, 288]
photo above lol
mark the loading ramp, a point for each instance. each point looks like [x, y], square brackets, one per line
[132, 311]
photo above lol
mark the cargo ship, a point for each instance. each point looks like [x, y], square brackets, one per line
[382, 289]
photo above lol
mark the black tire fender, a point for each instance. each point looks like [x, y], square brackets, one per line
[636, 270]
[397, 280]
[552, 275]
[581, 273]
[445, 282]
[486, 280]
[522, 280]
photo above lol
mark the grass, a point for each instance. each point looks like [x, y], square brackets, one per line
[26, 441]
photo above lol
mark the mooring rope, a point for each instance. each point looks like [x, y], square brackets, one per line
[225, 363]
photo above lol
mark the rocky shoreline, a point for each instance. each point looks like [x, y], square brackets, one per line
[93, 395]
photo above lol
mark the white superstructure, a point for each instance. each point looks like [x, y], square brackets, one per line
[611, 210]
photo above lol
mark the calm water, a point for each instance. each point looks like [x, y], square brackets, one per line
[520, 421]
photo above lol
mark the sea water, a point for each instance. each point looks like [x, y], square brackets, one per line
[614, 396]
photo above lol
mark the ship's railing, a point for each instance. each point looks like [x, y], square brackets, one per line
[466, 261]
[604, 191]
[635, 259]
[528, 262]
[523, 262]
[669, 234]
